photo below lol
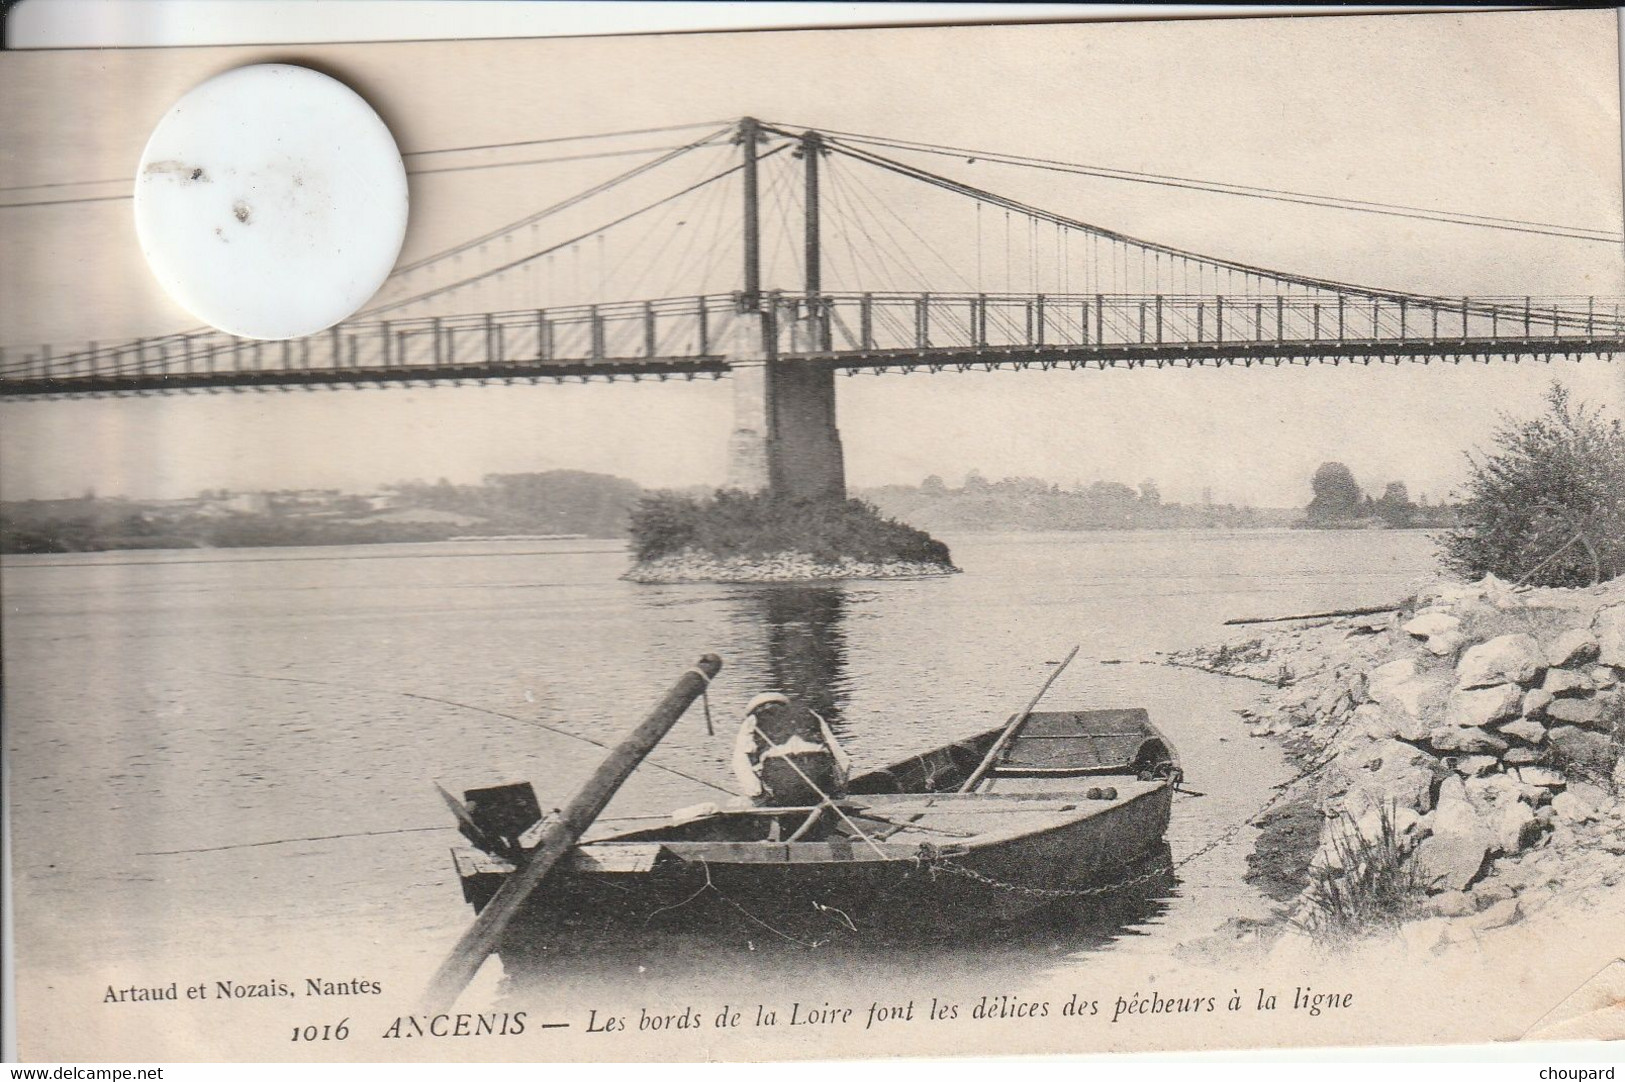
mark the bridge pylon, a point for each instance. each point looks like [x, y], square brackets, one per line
[785, 439]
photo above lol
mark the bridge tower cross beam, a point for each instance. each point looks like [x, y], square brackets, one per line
[785, 440]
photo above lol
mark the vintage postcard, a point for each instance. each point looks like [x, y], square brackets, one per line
[982, 539]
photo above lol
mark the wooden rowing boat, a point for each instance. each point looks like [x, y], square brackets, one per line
[1073, 804]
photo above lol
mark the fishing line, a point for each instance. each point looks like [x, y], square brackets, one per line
[359, 834]
[465, 706]
[289, 841]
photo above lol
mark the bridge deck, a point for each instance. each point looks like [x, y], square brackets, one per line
[690, 337]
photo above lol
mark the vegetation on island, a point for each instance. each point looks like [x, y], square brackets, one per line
[1545, 504]
[732, 523]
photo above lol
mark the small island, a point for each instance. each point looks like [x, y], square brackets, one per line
[735, 536]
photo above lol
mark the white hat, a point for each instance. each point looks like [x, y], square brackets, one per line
[763, 699]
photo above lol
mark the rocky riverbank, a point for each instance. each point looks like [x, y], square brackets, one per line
[1479, 731]
[692, 566]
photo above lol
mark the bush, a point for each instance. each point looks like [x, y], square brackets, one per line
[1547, 504]
[735, 523]
[1371, 883]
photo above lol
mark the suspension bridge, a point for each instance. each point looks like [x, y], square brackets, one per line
[783, 259]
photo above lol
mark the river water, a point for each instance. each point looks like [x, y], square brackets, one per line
[221, 761]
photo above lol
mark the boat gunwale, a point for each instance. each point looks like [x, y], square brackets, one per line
[691, 852]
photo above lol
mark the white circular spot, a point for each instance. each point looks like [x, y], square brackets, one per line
[271, 201]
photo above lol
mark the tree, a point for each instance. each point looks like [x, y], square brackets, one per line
[1337, 494]
[1546, 503]
[1395, 507]
[933, 486]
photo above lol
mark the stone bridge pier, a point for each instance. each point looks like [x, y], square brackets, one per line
[784, 440]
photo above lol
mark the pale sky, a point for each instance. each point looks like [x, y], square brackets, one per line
[1514, 115]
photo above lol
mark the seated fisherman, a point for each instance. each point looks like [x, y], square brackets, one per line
[786, 756]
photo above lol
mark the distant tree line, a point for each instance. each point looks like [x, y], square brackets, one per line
[557, 501]
[554, 502]
[1029, 503]
[1339, 501]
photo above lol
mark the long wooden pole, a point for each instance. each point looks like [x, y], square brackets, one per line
[1368, 610]
[1015, 723]
[562, 832]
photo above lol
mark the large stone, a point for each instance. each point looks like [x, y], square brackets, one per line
[1430, 623]
[1483, 706]
[1560, 683]
[1535, 702]
[1595, 795]
[1530, 732]
[1516, 659]
[1573, 807]
[1470, 741]
[1582, 712]
[1439, 631]
[1476, 766]
[1383, 773]
[1376, 722]
[1522, 754]
[1453, 855]
[1515, 826]
[1604, 676]
[1588, 753]
[1544, 777]
[1609, 627]
[1402, 687]
[1496, 791]
[1573, 648]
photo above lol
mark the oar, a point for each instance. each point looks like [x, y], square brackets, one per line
[560, 833]
[1015, 723]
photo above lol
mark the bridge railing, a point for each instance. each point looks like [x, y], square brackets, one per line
[860, 323]
[669, 331]
[690, 334]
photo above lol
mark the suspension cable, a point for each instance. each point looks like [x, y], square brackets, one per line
[1521, 225]
[392, 305]
[1112, 236]
[564, 204]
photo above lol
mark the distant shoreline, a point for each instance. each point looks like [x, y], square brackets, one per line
[181, 544]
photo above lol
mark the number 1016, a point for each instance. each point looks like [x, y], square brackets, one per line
[337, 1032]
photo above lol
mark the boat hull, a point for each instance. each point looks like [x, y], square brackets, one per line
[1067, 807]
[933, 892]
